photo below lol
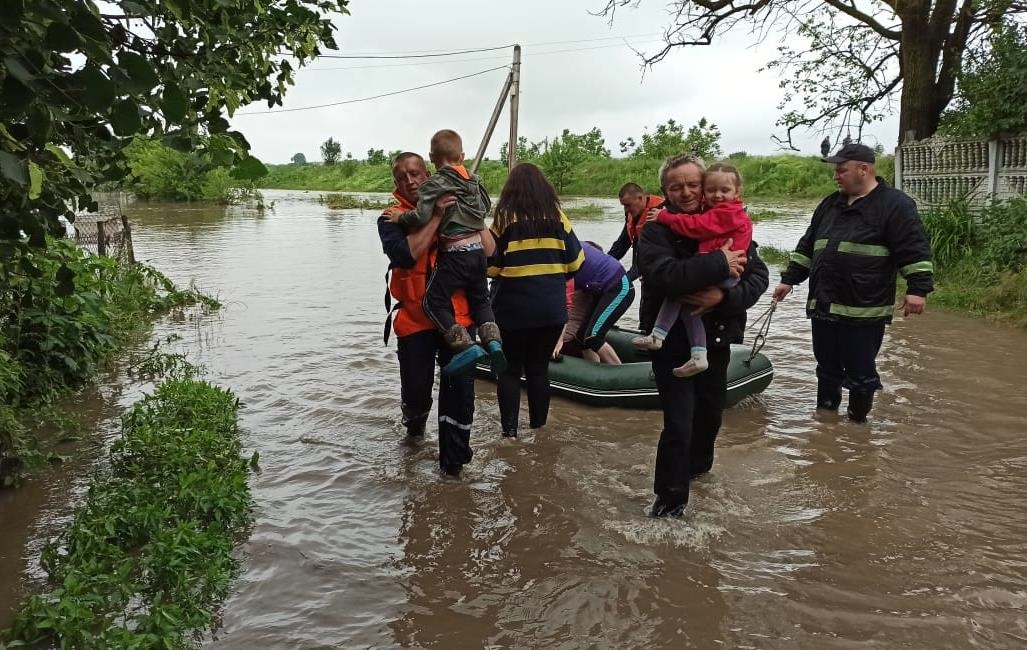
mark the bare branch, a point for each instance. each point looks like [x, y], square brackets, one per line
[850, 10]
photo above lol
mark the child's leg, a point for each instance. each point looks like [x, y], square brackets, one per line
[730, 283]
[670, 310]
[438, 296]
[697, 336]
[476, 289]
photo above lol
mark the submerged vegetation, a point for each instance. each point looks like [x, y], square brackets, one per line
[63, 313]
[340, 201]
[149, 554]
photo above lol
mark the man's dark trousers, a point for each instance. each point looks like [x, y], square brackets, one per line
[418, 354]
[846, 354]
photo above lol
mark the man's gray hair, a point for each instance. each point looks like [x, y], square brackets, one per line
[677, 161]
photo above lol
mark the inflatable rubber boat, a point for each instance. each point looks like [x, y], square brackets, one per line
[630, 385]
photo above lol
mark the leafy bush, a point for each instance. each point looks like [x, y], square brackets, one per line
[981, 259]
[162, 173]
[149, 554]
[63, 320]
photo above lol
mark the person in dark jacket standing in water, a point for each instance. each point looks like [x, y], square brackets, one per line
[860, 238]
[692, 406]
[638, 207]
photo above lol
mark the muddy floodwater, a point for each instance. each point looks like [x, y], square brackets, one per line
[810, 532]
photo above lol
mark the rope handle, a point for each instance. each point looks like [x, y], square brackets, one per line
[763, 321]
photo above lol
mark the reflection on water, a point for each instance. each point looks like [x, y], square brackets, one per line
[810, 532]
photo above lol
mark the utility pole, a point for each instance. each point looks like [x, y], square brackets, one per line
[511, 89]
[515, 97]
[490, 129]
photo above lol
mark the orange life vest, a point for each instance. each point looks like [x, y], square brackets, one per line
[407, 286]
[635, 224]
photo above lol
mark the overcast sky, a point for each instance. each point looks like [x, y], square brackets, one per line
[599, 83]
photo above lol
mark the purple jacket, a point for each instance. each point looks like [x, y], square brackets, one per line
[599, 272]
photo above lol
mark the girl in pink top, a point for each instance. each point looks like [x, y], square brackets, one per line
[725, 218]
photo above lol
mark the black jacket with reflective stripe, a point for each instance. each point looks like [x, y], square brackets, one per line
[853, 253]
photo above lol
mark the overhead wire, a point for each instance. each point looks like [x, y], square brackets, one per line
[530, 54]
[425, 53]
[367, 99]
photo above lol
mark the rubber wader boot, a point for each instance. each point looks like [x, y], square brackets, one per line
[465, 352]
[829, 396]
[488, 334]
[860, 405]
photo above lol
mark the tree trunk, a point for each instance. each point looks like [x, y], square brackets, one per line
[922, 100]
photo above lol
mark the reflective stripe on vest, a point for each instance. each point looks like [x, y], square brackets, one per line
[853, 312]
[917, 267]
[874, 250]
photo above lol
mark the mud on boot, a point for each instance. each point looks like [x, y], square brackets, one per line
[465, 352]
[488, 334]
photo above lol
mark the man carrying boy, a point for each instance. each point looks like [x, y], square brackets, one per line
[418, 344]
[461, 261]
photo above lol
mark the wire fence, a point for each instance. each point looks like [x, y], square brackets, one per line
[108, 236]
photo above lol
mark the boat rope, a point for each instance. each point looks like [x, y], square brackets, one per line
[762, 323]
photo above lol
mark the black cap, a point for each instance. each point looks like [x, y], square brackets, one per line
[854, 151]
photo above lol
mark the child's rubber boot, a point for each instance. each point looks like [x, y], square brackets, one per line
[465, 352]
[488, 333]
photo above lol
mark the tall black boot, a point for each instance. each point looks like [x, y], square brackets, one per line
[829, 396]
[860, 404]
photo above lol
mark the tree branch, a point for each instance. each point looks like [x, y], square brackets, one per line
[868, 20]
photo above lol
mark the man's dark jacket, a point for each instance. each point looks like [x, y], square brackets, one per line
[852, 254]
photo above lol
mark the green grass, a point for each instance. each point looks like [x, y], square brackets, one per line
[781, 176]
[149, 554]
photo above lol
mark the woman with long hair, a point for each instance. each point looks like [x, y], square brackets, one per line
[536, 251]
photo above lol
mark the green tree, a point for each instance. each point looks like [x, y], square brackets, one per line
[331, 151]
[377, 157]
[844, 61]
[79, 82]
[670, 138]
[991, 97]
[299, 159]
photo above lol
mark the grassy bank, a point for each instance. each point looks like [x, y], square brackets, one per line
[793, 177]
[64, 313]
[149, 554]
[980, 260]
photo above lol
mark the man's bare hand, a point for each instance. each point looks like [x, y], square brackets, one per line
[392, 214]
[651, 215]
[913, 304]
[443, 203]
[735, 259]
[704, 299]
[781, 291]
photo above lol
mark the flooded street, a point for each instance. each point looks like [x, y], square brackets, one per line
[810, 532]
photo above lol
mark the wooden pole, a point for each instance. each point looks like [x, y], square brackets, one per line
[126, 239]
[492, 123]
[101, 244]
[515, 97]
